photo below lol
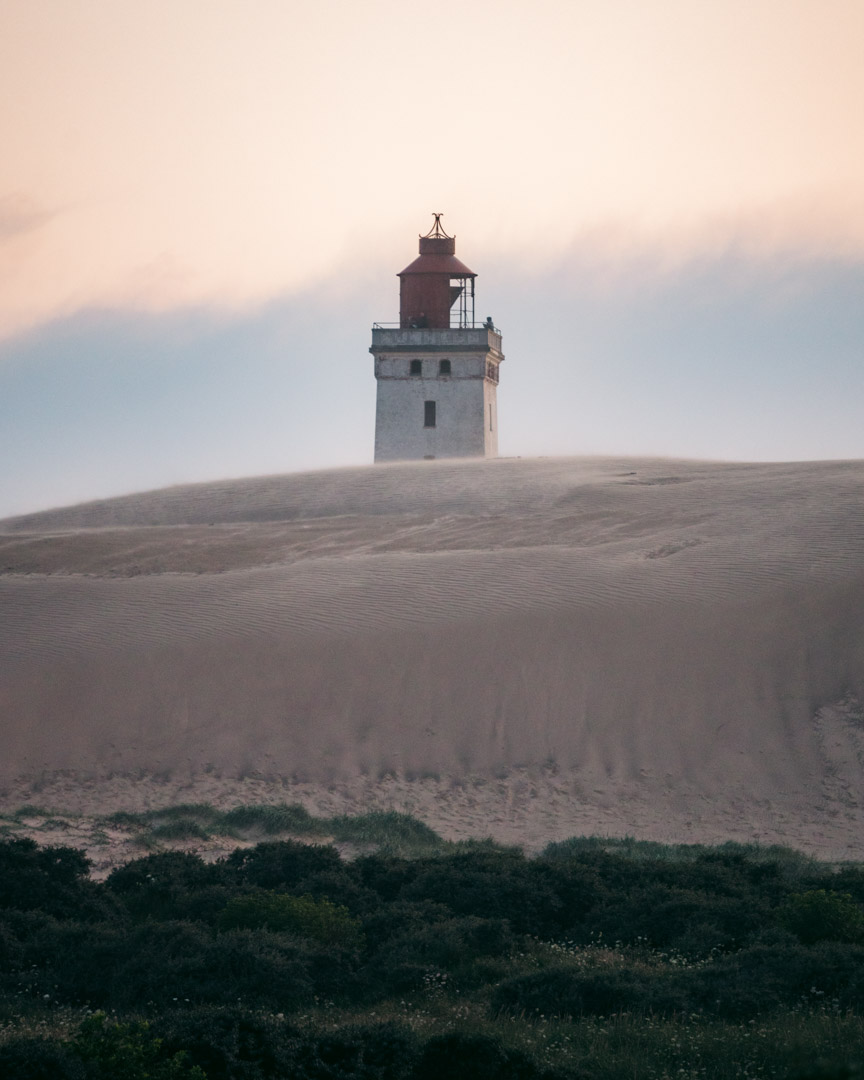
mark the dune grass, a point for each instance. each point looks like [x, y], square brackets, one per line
[793, 863]
[391, 832]
[382, 830]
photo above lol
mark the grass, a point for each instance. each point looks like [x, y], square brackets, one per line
[271, 820]
[793, 863]
[179, 829]
[383, 830]
[812, 1041]
[784, 1046]
[30, 811]
[388, 831]
[787, 1045]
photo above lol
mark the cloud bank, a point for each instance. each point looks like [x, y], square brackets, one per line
[721, 357]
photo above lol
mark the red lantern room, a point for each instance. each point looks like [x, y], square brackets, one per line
[434, 283]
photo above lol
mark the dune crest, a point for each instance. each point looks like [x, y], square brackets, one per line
[688, 632]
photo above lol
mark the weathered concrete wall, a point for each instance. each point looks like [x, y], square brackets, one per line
[466, 400]
[462, 402]
[490, 418]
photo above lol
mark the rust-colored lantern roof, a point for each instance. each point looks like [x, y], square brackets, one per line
[437, 264]
[438, 255]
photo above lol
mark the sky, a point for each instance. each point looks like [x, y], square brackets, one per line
[204, 204]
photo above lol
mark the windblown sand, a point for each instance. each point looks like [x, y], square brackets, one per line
[526, 649]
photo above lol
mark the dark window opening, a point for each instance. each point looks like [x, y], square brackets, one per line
[416, 367]
[428, 414]
[444, 367]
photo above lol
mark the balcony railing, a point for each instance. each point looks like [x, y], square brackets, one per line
[455, 326]
[394, 338]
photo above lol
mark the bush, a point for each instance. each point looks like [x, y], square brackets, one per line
[503, 885]
[569, 993]
[320, 920]
[99, 1050]
[459, 1056]
[112, 1050]
[771, 976]
[39, 1059]
[159, 886]
[341, 887]
[280, 863]
[375, 1052]
[820, 915]
[231, 1042]
[671, 916]
[235, 1044]
[172, 962]
[52, 880]
[169, 962]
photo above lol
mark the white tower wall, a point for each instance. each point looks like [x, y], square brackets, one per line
[430, 412]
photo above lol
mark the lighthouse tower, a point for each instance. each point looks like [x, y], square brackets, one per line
[437, 371]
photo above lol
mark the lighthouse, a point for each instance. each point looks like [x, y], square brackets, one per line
[437, 371]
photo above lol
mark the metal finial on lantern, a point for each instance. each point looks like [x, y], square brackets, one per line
[437, 231]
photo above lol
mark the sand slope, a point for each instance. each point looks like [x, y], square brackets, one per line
[682, 636]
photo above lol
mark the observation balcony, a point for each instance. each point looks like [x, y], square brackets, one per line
[480, 337]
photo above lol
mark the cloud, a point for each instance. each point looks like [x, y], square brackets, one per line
[721, 356]
[19, 215]
[103, 402]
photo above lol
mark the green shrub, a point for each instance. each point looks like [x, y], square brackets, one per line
[164, 964]
[170, 870]
[165, 885]
[453, 941]
[504, 885]
[229, 1042]
[570, 993]
[461, 1056]
[362, 1052]
[389, 922]
[113, 1050]
[778, 974]
[821, 915]
[53, 880]
[180, 962]
[279, 863]
[39, 1059]
[341, 886]
[317, 919]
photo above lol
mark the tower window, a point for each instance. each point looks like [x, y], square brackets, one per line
[416, 367]
[428, 414]
[444, 367]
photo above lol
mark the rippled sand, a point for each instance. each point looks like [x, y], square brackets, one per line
[675, 647]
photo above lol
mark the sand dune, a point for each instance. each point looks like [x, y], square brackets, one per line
[680, 641]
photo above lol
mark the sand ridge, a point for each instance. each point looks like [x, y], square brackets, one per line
[671, 633]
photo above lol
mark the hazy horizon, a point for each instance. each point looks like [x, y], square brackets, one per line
[203, 210]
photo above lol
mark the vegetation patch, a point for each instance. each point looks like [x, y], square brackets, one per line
[285, 959]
